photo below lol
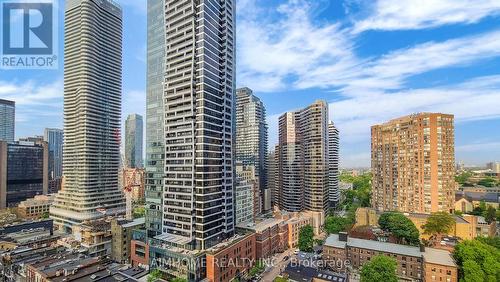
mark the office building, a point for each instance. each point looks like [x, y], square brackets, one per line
[54, 139]
[199, 123]
[333, 164]
[23, 171]
[7, 120]
[303, 159]
[133, 141]
[413, 164]
[244, 204]
[251, 137]
[36, 207]
[92, 113]
[155, 138]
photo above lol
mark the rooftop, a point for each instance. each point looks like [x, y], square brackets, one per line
[262, 225]
[135, 222]
[306, 274]
[437, 256]
[333, 241]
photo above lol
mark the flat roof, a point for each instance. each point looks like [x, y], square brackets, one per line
[261, 226]
[135, 222]
[437, 256]
[333, 241]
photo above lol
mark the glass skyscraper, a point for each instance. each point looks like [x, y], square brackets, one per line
[92, 113]
[7, 120]
[54, 138]
[251, 137]
[155, 137]
[133, 141]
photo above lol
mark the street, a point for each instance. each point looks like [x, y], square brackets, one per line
[277, 265]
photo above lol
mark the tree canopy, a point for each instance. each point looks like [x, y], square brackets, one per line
[154, 275]
[306, 239]
[401, 227]
[379, 268]
[336, 224]
[490, 214]
[439, 223]
[477, 261]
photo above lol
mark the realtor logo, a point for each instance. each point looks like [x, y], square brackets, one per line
[29, 33]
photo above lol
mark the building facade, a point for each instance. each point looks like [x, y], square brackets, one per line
[251, 137]
[23, 171]
[198, 197]
[413, 263]
[244, 204]
[92, 113]
[121, 232]
[54, 138]
[7, 120]
[133, 141]
[36, 207]
[155, 137]
[303, 159]
[333, 164]
[413, 164]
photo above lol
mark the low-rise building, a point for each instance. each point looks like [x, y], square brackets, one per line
[341, 253]
[36, 207]
[295, 223]
[94, 236]
[271, 236]
[139, 249]
[231, 259]
[121, 231]
[70, 266]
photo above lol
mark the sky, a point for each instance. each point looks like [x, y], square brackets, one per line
[371, 60]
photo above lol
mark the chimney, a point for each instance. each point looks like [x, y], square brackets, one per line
[422, 248]
[343, 236]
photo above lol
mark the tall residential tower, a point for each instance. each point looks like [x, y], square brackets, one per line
[303, 178]
[92, 109]
[333, 164]
[155, 137]
[133, 141]
[199, 96]
[251, 138]
[413, 164]
[54, 139]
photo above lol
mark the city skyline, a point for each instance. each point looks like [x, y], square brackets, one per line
[468, 74]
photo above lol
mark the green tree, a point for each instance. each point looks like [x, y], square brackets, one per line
[477, 261]
[336, 224]
[492, 241]
[177, 279]
[258, 268]
[45, 215]
[139, 212]
[488, 182]
[439, 223]
[280, 279]
[490, 214]
[306, 239]
[154, 275]
[463, 177]
[401, 227]
[379, 268]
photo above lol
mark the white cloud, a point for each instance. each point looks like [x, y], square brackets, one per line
[32, 93]
[479, 147]
[420, 14]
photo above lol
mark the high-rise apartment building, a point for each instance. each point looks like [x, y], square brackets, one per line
[54, 138]
[303, 159]
[251, 137]
[291, 163]
[413, 164]
[7, 120]
[92, 113]
[272, 176]
[133, 141]
[155, 137]
[333, 164]
[23, 171]
[198, 206]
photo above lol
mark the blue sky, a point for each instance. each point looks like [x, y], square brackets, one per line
[371, 60]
